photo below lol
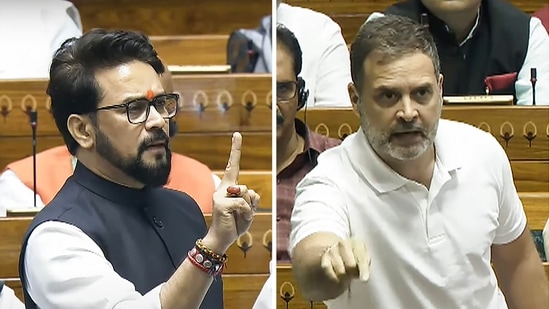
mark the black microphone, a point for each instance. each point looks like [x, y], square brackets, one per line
[424, 20]
[34, 123]
[533, 80]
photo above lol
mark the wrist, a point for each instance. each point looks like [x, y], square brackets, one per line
[214, 244]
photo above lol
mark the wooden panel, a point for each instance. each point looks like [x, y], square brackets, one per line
[247, 96]
[12, 231]
[210, 149]
[15, 285]
[516, 122]
[251, 254]
[192, 49]
[351, 14]
[239, 291]
[261, 182]
[173, 17]
[536, 206]
[289, 296]
[214, 92]
[531, 175]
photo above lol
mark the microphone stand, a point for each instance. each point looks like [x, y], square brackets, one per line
[34, 123]
[533, 80]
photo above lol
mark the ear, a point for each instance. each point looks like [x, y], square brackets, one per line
[355, 99]
[440, 82]
[441, 88]
[82, 130]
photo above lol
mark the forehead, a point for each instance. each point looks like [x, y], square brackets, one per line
[408, 70]
[127, 80]
[284, 64]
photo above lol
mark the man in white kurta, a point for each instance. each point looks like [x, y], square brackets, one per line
[415, 206]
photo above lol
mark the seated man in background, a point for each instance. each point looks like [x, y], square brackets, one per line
[297, 147]
[30, 32]
[55, 165]
[325, 55]
[481, 40]
[411, 211]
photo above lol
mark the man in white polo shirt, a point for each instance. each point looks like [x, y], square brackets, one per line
[410, 211]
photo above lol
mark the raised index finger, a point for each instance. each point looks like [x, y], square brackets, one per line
[233, 166]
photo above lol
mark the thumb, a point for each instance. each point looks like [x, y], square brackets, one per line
[362, 259]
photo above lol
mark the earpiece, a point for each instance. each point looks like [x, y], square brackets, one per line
[302, 93]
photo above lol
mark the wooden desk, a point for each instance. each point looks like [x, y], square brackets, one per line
[172, 17]
[213, 106]
[289, 295]
[248, 265]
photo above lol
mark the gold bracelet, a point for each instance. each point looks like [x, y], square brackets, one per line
[210, 252]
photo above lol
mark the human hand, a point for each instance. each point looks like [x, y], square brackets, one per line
[346, 260]
[234, 205]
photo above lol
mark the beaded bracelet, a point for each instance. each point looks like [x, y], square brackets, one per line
[207, 251]
[206, 259]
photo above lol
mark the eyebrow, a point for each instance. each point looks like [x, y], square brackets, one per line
[383, 88]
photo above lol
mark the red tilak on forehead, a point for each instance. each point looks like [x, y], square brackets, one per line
[150, 94]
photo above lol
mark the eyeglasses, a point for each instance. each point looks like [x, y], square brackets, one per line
[285, 91]
[138, 110]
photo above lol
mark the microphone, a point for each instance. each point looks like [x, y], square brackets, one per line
[424, 20]
[34, 123]
[533, 80]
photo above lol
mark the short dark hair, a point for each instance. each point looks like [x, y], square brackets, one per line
[72, 86]
[392, 36]
[286, 38]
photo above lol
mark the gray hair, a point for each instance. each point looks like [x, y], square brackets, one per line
[392, 36]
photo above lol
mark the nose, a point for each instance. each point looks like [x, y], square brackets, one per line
[408, 110]
[155, 120]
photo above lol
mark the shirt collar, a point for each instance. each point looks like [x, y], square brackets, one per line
[382, 177]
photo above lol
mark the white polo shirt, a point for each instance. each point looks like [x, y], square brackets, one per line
[430, 249]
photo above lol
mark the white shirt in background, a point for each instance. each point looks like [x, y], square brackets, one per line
[8, 300]
[31, 31]
[326, 63]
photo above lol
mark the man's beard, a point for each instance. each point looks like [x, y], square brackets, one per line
[151, 175]
[381, 140]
